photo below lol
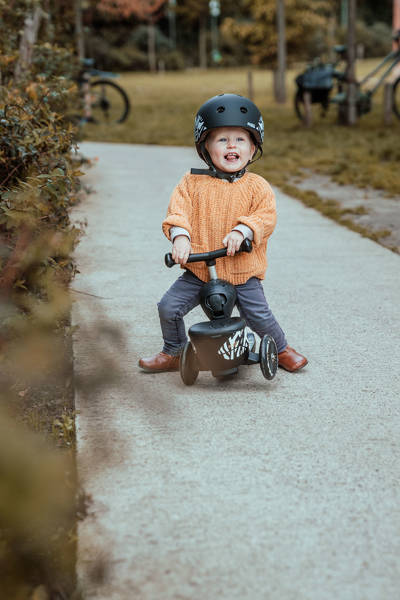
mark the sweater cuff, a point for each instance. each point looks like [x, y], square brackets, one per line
[175, 231]
[246, 231]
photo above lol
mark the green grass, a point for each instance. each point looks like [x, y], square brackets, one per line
[164, 105]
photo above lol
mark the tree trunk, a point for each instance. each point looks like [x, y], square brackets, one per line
[80, 42]
[28, 40]
[151, 47]
[351, 61]
[280, 84]
[203, 43]
[396, 19]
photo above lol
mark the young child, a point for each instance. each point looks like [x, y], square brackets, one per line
[217, 206]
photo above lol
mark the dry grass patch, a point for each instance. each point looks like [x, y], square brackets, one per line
[366, 155]
[163, 107]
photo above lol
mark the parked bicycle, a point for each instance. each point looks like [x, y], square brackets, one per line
[104, 101]
[318, 79]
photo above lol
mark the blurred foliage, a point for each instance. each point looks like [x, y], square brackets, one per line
[259, 34]
[247, 32]
[144, 9]
[375, 39]
[37, 506]
[122, 50]
[39, 182]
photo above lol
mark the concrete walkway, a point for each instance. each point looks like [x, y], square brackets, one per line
[245, 489]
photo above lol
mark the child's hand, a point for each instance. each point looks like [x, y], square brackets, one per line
[232, 242]
[181, 249]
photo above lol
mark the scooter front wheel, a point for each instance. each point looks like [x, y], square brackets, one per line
[268, 357]
[188, 367]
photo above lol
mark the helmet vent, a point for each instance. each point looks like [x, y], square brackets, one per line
[243, 109]
[220, 109]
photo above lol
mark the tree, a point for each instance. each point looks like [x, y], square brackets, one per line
[80, 43]
[195, 12]
[304, 20]
[145, 10]
[351, 116]
[280, 87]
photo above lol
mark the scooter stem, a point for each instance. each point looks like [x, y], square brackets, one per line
[212, 271]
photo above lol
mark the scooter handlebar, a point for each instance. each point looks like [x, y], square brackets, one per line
[245, 246]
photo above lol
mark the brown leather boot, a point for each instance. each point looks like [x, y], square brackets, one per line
[159, 363]
[291, 360]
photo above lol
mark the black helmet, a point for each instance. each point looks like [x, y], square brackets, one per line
[228, 110]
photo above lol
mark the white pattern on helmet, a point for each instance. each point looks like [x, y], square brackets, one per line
[199, 127]
[260, 128]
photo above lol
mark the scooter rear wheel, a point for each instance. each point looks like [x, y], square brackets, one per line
[268, 357]
[188, 367]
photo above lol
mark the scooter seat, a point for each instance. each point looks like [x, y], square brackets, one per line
[216, 328]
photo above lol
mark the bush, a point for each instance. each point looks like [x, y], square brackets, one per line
[39, 182]
[173, 60]
[116, 58]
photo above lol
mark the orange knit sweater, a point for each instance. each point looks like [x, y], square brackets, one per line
[209, 208]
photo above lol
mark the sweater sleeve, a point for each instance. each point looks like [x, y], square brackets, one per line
[179, 213]
[262, 215]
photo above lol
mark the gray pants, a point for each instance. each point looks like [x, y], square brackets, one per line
[184, 295]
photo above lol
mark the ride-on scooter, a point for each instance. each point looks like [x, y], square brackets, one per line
[221, 345]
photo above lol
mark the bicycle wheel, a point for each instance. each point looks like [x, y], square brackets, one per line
[109, 102]
[396, 98]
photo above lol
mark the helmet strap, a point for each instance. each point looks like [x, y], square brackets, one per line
[259, 148]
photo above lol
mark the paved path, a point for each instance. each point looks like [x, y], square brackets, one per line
[245, 489]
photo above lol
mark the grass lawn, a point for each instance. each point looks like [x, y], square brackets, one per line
[164, 105]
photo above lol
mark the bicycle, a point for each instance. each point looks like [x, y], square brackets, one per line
[318, 81]
[104, 101]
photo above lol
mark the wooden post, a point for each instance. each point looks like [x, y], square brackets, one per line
[250, 85]
[396, 19]
[80, 44]
[387, 103]
[151, 46]
[203, 43]
[307, 109]
[351, 60]
[396, 27]
[280, 84]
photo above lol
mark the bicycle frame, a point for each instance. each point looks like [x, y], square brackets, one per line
[363, 96]
[392, 56]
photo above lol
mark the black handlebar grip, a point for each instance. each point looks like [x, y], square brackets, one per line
[245, 246]
[169, 261]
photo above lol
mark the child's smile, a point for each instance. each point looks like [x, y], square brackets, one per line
[230, 148]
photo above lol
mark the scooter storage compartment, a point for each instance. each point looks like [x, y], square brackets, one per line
[219, 344]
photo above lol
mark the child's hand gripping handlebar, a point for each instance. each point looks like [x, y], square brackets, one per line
[245, 246]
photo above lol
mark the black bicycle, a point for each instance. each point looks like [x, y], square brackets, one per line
[318, 80]
[104, 101]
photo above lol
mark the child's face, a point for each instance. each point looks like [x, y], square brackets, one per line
[230, 148]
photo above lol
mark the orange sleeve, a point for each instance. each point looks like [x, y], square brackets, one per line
[179, 212]
[262, 216]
